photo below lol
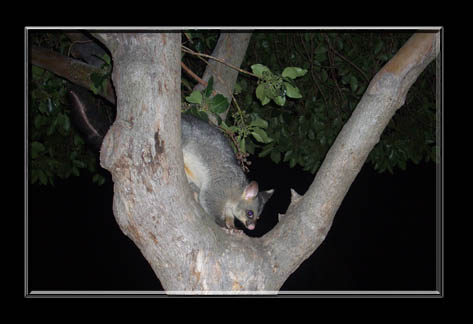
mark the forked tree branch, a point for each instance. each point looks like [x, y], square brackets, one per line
[153, 204]
[309, 217]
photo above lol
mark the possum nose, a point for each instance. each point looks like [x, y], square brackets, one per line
[251, 226]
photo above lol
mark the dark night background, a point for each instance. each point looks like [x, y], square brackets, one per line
[383, 236]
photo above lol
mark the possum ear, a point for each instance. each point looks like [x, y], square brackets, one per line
[251, 191]
[266, 195]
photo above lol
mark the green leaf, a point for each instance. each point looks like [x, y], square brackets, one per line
[242, 145]
[287, 155]
[280, 100]
[237, 88]
[276, 156]
[36, 148]
[224, 126]
[97, 79]
[291, 91]
[250, 146]
[258, 69]
[259, 122]
[96, 177]
[292, 162]
[257, 137]
[36, 71]
[210, 86]
[260, 135]
[106, 58]
[203, 115]
[260, 92]
[94, 89]
[218, 104]
[195, 97]
[293, 72]
[268, 148]
[353, 83]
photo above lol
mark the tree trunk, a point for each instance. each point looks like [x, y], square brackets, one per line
[152, 201]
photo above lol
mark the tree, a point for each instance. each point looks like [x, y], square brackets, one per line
[151, 201]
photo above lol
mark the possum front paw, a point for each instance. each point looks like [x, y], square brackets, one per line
[233, 230]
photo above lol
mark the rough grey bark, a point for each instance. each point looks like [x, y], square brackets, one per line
[153, 204]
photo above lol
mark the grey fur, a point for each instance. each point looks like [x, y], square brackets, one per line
[211, 166]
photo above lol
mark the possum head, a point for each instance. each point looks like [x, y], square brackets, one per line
[250, 205]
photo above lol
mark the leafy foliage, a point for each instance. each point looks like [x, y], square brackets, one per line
[276, 87]
[292, 116]
[55, 148]
[99, 79]
[205, 102]
[335, 70]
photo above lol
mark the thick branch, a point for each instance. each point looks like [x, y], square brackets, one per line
[231, 48]
[152, 200]
[73, 70]
[142, 152]
[86, 49]
[309, 218]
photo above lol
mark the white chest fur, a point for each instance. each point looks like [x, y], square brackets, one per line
[195, 169]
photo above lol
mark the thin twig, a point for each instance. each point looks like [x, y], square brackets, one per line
[193, 75]
[332, 63]
[188, 50]
[349, 62]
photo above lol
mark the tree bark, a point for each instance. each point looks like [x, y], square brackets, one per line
[231, 48]
[308, 218]
[153, 203]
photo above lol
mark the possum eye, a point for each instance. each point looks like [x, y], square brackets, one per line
[250, 214]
